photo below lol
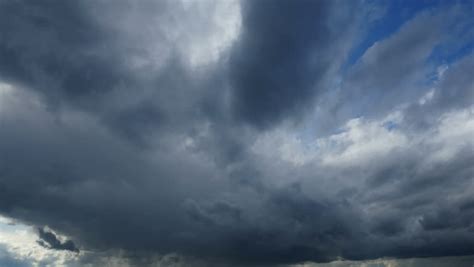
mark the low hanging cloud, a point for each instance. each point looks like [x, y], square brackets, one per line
[48, 239]
[235, 133]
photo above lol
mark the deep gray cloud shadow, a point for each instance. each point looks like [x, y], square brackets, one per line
[159, 161]
[279, 63]
[49, 240]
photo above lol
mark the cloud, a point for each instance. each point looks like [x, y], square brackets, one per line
[416, 262]
[452, 91]
[279, 64]
[48, 239]
[390, 200]
[178, 137]
[18, 247]
[8, 260]
[395, 69]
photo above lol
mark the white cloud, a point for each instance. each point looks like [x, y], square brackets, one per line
[198, 31]
[20, 242]
[359, 142]
[362, 141]
[454, 132]
[222, 26]
[427, 97]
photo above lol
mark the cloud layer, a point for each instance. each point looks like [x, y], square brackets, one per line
[237, 132]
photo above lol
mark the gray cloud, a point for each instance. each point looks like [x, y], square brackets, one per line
[49, 240]
[130, 135]
[280, 62]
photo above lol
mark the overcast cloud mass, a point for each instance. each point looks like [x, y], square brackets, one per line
[236, 133]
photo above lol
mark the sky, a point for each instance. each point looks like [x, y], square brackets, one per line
[237, 133]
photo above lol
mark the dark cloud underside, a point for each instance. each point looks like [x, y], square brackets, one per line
[279, 63]
[133, 127]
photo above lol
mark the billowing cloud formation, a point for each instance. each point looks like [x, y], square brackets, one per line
[237, 133]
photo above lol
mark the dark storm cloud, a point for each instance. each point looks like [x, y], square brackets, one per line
[416, 214]
[49, 240]
[111, 136]
[77, 58]
[280, 61]
[287, 226]
[56, 48]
